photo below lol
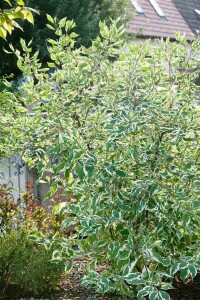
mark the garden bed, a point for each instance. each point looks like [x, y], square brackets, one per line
[70, 289]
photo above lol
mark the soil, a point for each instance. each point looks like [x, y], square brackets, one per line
[188, 291]
[70, 289]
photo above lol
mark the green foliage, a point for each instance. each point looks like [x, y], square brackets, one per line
[85, 13]
[9, 16]
[117, 126]
[8, 208]
[26, 264]
[11, 112]
[29, 237]
[28, 213]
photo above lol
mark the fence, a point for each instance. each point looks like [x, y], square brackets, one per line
[14, 172]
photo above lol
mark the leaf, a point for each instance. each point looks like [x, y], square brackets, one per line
[158, 258]
[121, 263]
[3, 33]
[125, 233]
[109, 168]
[140, 207]
[68, 267]
[67, 174]
[153, 189]
[52, 42]
[86, 280]
[192, 270]
[116, 215]
[114, 249]
[50, 19]
[79, 172]
[134, 278]
[54, 187]
[164, 296]
[107, 284]
[55, 253]
[184, 274]
[101, 244]
[18, 14]
[134, 153]
[6, 51]
[34, 10]
[73, 35]
[20, 2]
[150, 61]
[8, 26]
[51, 65]
[68, 222]
[126, 270]
[8, 1]
[144, 292]
[50, 27]
[136, 281]
[23, 43]
[58, 207]
[154, 295]
[186, 220]
[62, 22]
[88, 169]
[132, 275]
[174, 269]
[29, 17]
[121, 173]
[17, 25]
[124, 207]
[125, 254]
[167, 286]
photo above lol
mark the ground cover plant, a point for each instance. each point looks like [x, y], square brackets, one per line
[28, 235]
[116, 125]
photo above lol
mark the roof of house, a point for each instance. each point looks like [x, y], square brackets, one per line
[151, 24]
[189, 11]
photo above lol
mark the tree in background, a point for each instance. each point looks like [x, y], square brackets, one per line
[85, 13]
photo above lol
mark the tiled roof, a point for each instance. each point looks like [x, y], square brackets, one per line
[187, 10]
[152, 25]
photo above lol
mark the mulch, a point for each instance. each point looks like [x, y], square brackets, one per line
[70, 289]
[188, 291]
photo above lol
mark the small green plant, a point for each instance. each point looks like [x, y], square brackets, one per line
[117, 126]
[36, 217]
[29, 238]
[8, 208]
[27, 264]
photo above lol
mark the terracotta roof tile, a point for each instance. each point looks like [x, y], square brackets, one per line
[187, 10]
[152, 25]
